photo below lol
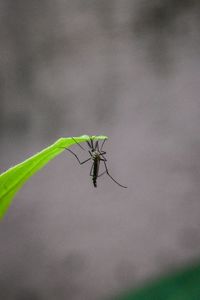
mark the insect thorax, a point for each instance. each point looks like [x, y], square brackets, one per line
[95, 155]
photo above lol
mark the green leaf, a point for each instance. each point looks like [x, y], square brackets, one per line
[13, 179]
[181, 285]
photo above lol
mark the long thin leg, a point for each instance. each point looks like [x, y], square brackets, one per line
[112, 177]
[80, 162]
[101, 174]
[89, 145]
[78, 144]
[92, 144]
[90, 153]
[102, 144]
[96, 146]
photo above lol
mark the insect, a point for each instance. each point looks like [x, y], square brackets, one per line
[97, 155]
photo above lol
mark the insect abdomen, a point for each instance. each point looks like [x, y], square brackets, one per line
[94, 181]
[95, 171]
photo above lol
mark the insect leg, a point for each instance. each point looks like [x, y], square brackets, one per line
[102, 144]
[111, 176]
[80, 162]
[102, 174]
[90, 153]
[78, 143]
[102, 154]
[92, 144]
[96, 146]
[89, 145]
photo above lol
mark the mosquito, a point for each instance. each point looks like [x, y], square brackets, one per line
[97, 155]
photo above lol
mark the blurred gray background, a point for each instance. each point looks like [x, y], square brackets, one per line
[123, 68]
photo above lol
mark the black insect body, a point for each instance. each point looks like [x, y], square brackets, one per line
[96, 155]
[94, 172]
[95, 167]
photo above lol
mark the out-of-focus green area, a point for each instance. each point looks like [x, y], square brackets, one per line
[182, 285]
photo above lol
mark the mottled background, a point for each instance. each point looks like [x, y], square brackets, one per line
[127, 69]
